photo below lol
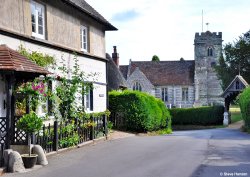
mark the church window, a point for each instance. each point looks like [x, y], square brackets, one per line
[209, 52]
[137, 86]
[184, 94]
[164, 94]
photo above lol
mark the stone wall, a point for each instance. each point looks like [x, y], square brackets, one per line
[62, 24]
[138, 76]
[175, 95]
[207, 85]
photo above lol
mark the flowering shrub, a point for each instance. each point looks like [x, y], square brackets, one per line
[36, 90]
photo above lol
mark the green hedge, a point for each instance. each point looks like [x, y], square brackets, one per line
[139, 111]
[197, 116]
[245, 107]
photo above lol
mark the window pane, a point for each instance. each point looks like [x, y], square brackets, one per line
[39, 10]
[40, 21]
[33, 8]
[40, 30]
[33, 27]
[33, 19]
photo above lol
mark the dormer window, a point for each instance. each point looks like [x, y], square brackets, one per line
[37, 20]
[210, 52]
[84, 38]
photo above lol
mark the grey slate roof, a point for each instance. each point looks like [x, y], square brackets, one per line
[83, 6]
[165, 72]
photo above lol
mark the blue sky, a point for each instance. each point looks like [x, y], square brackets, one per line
[167, 27]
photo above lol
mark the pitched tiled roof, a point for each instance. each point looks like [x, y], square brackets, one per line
[11, 60]
[166, 72]
[87, 9]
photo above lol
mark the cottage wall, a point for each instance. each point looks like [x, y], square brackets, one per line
[62, 24]
[88, 65]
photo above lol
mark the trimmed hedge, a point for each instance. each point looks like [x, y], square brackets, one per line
[138, 111]
[245, 107]
[197, 116]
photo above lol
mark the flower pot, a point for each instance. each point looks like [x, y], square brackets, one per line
[29, 161]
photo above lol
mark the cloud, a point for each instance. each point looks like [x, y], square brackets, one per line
[125, 16]
[167, 27]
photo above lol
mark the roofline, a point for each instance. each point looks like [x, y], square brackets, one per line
[109, 26]
[49, 44]
[240, 78]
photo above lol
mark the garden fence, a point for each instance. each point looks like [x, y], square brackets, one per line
[58, 135]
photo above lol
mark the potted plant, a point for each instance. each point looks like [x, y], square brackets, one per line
[29, 123]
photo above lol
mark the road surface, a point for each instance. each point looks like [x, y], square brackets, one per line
[201, 153]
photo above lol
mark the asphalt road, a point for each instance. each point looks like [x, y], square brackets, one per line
[202, 153]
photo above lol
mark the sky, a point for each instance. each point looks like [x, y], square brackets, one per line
[166, 28]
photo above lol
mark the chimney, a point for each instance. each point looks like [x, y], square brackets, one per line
[115, 57]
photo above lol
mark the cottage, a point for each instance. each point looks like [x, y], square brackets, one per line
[59, 28]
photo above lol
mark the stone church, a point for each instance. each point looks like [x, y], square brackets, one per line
[183, 83]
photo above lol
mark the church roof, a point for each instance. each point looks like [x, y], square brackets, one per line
[161, 73]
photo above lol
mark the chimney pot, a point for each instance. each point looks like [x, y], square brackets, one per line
[115, 56]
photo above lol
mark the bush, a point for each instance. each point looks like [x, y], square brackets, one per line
[197, 116]
[138, 111]
[245, 107]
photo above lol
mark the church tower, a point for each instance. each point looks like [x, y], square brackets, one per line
[207, 51]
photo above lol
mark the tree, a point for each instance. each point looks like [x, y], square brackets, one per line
[235, 60]
[155, 58]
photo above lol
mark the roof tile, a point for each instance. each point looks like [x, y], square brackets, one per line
[11, 60]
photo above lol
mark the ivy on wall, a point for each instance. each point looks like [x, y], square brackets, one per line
[43, 60]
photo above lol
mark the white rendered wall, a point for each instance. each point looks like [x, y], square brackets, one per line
[87, 65]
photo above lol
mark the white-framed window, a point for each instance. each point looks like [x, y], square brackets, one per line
[137, 86]
[38, 20]
[184, 94]
[164, 94]
[88, 99]
[84, 38]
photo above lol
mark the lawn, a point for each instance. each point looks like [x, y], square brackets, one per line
[235, 114]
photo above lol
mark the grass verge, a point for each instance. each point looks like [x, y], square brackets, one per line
[160, 132]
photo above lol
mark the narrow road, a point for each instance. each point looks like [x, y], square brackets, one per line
[202, 153]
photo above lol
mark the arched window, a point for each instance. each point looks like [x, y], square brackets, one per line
[210, 52]
[137, 86]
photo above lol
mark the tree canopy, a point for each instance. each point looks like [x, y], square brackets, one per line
[235, 60]
[155, 58]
